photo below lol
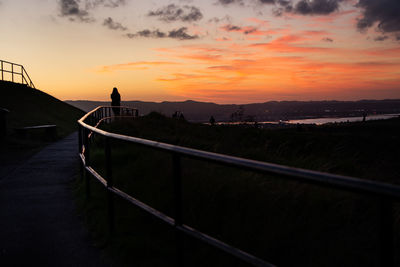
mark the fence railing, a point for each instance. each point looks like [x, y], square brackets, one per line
[16, 73]
[386, 194]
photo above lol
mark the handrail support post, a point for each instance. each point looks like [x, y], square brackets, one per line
[177, 182]
[109, 179]
[87, 163]
[80, 148]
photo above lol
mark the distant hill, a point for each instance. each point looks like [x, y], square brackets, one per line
[29, 107]
[268, 111]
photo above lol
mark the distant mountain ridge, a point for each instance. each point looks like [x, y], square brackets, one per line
[268, 111]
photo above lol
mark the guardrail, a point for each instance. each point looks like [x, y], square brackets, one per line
[15, 70]
[386, 194]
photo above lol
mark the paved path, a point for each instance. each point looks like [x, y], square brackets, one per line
[39, 225]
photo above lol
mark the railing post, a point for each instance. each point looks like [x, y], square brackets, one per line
[12, 72]
[80, 149]
[108, 115]
[2, 69]
[386, 232]
[110, 195]
[87, 162]
[177, 181]
[22, 74]
[79, 138]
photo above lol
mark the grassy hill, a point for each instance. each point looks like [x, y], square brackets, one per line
[285, 222]
[30, 107]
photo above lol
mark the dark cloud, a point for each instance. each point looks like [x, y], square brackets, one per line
[78, 10]
[71, 9]
[316, 7]
[231, 28]
[278, 2]
[180, 34]
[230, 2]
[306, 7]
[284, 6]
[244, 30]
[113, 25]
[267, 1]
[284, 2]
[384, 13]
[327, 39]
[147, 33]
[303, 7]
[381, 38]
[90, 4]
[218, 20]
[173, 12]
[249, 30]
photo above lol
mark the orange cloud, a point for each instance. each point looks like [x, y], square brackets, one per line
[133, 65]
[286, 66]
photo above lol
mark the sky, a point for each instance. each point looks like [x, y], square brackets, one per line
[221, 51]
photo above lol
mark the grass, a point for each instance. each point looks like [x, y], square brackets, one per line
[30, 107]
[281, 221]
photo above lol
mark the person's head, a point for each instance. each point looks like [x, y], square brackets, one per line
[115, 90]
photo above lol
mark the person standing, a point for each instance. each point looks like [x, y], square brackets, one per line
[115, 101]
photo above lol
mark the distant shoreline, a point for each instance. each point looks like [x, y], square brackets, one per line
[320, 120]
[325, 120]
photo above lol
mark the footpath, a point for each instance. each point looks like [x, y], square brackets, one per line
[39, 224]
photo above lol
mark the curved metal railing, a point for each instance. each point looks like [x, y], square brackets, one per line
[15, 70]
[385, 193]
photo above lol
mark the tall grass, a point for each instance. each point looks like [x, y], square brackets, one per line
[284, 222]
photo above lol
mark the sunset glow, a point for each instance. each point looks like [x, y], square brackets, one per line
[218, 51]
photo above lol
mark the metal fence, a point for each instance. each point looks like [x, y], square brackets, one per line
[386, 194]
[16, 71]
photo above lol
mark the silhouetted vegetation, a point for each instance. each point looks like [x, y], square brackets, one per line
[268, 111]
[285, 222]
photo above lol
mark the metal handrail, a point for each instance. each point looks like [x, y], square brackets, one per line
[25, 79]
[386, 193]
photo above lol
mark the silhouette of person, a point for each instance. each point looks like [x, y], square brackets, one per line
[212, 120]
[115, 101]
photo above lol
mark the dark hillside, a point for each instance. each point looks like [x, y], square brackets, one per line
[29, 107]
[362, 149]
[282, 221]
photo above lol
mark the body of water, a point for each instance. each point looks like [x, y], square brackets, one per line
[317, 121]
[320, 121]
